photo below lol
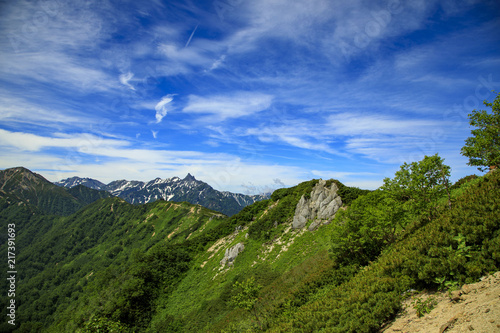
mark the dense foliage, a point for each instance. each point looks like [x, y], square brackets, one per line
[419, 185]
[483, 147]
[366, 228]
[60, 255]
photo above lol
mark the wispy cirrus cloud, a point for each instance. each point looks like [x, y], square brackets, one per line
[43, 43]
[42, 112]
[104, 158]
[389, 138]
[126, 78]
[300, 134]
[362, 124]
[383, 138]
[221, 107]
[56, 68]
[33, 142]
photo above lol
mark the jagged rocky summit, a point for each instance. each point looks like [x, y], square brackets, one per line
[321, 207]
[188, 189]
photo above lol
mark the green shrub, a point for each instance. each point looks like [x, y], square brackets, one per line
[365, 228]
[423, 306]
[103, 325]
[349, 194]
[463, 181]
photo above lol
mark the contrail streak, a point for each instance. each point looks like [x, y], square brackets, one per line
[191, 37]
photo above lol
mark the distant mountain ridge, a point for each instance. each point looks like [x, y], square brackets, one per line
[88, 182]
[21, 184]
[188, 189]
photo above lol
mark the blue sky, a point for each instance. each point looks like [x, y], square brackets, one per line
[245, 95]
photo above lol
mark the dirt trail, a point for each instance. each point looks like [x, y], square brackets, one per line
[473, 308]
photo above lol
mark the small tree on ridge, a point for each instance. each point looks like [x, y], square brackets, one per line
[483, 148]
[419, 185]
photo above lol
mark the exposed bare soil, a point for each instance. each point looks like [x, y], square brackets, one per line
[473, 308]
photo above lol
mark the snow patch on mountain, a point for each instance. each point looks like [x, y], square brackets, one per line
[188, 189]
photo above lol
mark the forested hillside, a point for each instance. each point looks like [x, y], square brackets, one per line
[58, 256]
[116, 267]
[22, 184]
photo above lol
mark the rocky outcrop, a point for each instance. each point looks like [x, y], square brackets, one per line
[231, 254]
[321, 207]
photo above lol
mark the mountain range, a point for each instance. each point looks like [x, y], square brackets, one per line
[188, 189]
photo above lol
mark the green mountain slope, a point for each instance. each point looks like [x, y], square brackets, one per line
[57, 256]
[176, 267]
[86, 195]
[304, 288]
[458, 246]
[34, 189]
[202, 282]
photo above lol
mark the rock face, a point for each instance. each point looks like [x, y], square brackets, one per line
[231, 254]
[320, 207]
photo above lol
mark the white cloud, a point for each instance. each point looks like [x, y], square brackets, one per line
[183, 60]
[222, 107]
[217, 63]
[161, 107]
[33, 143]
[339, 29]
[359, 124]
[299, 140]
[126, 78]
[300, 133]
[54, 43]
[389, 139]
[56, 68]
[89, 144]
[107, 160]
[189, 55]
[54, 24]
[382, 138]
[18, 110]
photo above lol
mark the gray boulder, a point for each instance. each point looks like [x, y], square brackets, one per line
[302, 213]
[231, 254]
[321, 207]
